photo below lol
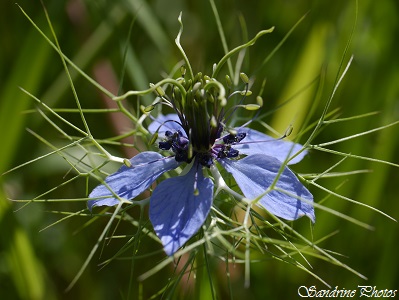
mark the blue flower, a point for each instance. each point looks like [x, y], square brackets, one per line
[199, 140]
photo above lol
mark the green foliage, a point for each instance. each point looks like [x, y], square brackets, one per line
[123, 45]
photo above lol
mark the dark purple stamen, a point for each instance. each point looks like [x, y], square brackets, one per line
[165, 145]
[205, 159]
[234, 138]
[179, 144]
[227, 151]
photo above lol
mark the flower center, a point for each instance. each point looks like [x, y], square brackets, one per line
[203, 110]
[179, 144]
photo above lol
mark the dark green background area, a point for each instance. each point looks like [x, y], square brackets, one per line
[40, 265]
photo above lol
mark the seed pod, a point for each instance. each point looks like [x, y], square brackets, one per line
[127, 162]
[244, 78]
[177, 94]
[189, 82]
[229, 83]
[196, 86]
[148, 108]
[207, 78]
[246, 93]
[251, 106]
[259, 100]
[183, 70]
[198, 77]
[160, 91]
[213, 122]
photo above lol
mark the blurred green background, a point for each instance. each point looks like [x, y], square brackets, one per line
[40, 265]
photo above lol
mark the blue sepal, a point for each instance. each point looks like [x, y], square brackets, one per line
[179, 206]
[256, 142]
[129, 182]
[255, 174]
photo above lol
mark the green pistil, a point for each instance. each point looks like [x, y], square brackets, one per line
[204, 98]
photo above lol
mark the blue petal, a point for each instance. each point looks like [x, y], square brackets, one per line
[259, 143]
[161, 119]
[255, 173]
[129, 182]
[176, 212]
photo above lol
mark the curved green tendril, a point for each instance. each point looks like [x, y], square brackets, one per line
[237, 49]
[177, 41]
[153, 88]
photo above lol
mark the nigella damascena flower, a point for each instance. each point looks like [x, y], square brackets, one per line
[196, 136]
